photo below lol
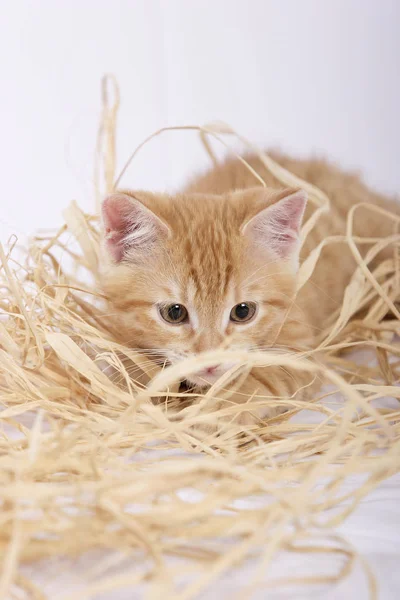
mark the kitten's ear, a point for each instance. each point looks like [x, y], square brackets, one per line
[277, 226]
[130, 228]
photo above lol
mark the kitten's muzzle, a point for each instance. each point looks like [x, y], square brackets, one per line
[209, 375]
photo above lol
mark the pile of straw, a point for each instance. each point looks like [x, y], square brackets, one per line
[93, 457]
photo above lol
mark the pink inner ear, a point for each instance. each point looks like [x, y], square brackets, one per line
[287, 218]
[130, 228]
[292, 212]
[117, 212]
[277, 227]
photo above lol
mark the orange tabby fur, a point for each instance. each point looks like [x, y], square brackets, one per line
[207, 264]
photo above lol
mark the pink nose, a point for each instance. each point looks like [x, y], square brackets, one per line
[212, 369]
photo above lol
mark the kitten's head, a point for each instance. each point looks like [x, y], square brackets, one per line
[191, 273]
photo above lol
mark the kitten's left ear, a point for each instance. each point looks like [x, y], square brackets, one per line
[277, 226]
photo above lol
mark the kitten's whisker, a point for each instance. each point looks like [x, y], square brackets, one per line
[281, 349]
[320, 289]
[263, 266]
[143, 355]
[141, 367]
[266, 277]
[291, 302]
[123, 376]
[149, 351]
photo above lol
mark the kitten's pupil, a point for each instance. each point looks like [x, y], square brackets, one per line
[174, 313]
[243, 312]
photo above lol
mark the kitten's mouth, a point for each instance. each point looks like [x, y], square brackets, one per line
[186, 386]
[195, 382]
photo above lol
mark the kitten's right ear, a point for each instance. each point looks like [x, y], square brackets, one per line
[277, 225]
[130, 228]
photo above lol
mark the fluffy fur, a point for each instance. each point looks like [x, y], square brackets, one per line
[227, 240]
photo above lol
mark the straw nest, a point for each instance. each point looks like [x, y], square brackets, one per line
[92, 457]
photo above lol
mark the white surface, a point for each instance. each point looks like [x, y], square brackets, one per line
[309, 76]
[373, 530]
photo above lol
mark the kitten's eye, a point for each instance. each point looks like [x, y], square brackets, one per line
[243, 312]
[174, 313]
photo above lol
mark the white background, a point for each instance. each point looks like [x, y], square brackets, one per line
[310, 76]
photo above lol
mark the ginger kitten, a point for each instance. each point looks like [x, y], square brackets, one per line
[216, 266]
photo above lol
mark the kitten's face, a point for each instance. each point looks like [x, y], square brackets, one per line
[195, 273]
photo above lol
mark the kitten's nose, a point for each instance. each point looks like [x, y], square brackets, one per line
[212, 369]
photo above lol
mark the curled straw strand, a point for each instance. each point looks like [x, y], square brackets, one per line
[99, 444]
